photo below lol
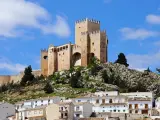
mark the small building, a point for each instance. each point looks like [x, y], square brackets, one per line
[6, 110]
[38, 102]
[21, 107]
[66, 110]
[111, 107]
[140, 102]
[53, 112]
[106, 102]
[82, 109]
[38, 113]
[140, 105]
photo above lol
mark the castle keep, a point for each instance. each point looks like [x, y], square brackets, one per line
[90, 41]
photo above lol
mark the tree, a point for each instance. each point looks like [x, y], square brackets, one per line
[48, 88]
[74, 79]
[28, 76]
[105, 76]
[148, 70]
[158, 70]
[122, 60]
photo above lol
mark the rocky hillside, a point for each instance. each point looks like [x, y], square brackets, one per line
[80, 80]
[116, 77]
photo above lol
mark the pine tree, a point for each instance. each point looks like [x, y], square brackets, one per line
[48, 88]
[74, 79]
[158, 70]
[122, 60]
[28, 76]
[148, 70]
[105, 76]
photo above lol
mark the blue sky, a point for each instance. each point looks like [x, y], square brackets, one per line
[26, 26]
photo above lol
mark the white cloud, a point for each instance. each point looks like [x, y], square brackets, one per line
[153, 19]
[60, 28]
[5, 64]
[137, 34]
[141, 62]
[157, 43]
[16, 15]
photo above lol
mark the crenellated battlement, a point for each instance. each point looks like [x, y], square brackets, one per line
[94, 32]
[103, 32]
[89, 20]
[44, 50]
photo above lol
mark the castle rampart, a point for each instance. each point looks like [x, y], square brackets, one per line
[90, 41]
[90, 20]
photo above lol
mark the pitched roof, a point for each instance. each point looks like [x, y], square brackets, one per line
[38, 99]
[109, 104]
[96, 96]
[79, 103]
[65, 103]
[139, 99]
[36, 108]
[92, 119]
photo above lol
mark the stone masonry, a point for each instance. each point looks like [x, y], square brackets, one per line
[90, 41]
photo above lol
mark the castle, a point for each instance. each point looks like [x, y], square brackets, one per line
[90, 41]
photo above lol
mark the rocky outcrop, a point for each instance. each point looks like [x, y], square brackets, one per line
[129, 79]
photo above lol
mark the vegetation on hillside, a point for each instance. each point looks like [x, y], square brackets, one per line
[80, 80]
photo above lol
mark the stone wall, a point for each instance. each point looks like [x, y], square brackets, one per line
[4, 79]
[64, 57]
[44, 62]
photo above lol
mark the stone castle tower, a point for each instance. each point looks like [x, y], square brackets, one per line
[90, 41]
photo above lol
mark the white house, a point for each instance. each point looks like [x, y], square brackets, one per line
[21, 107]
[140, 102]
[111, 107]
[106, 93]
[140, 105]
[110, 104]
[66, 110]
[82, 109]
[138, 94]
[106, 102]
